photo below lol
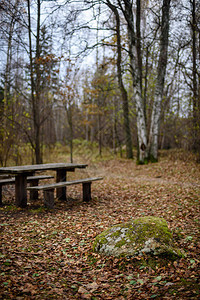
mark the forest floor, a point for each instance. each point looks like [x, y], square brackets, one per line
[48, 254]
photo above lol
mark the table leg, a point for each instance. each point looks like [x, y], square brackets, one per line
[61, 176]
[20, 190]
[87, 191]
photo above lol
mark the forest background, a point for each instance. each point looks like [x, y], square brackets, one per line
[78, 78]
[118, 74]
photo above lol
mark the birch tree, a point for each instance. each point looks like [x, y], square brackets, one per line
[135, 64]
[150, 150]
[162, 64]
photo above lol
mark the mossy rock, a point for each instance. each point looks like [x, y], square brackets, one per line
[146, 235]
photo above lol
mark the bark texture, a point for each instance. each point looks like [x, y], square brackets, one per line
[162, 64]
[195, 91]
[135, 65]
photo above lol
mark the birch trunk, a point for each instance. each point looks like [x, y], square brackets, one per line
[162, 64]
[70, 122]
[134, 53]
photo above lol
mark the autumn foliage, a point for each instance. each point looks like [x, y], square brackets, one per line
[48, 254]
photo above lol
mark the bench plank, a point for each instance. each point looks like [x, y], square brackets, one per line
[65, 183]
[48, 189]
[33, 180]
[29, 179]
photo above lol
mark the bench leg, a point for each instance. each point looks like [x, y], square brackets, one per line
[61, 192]
[49, 198]
[86, 191]
[1, 204]
[34, 194]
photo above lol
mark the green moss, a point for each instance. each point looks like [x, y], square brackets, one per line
[143, 235]
[11, 208]
[155, 227]
[139, 162]
[152, 159]
[100, 241]
[38, 210]
[120, 243]
[172, 253]
[116, 233]
[145, 227]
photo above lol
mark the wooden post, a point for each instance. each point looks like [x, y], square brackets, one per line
[61, 192]
[49, 198]
[86, 191]
[20, 190]
[1, 204]
[34, 194]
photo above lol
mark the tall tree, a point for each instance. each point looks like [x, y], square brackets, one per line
[35, 83]
[37, 119]
[39, 73]
[195, 31]
[151, 150]
[135, 65]
[129, 151]
[10, 20]
[162, 64]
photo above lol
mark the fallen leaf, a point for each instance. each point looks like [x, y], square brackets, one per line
[92, 286]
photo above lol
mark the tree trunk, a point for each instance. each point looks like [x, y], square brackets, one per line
[134, 53]
[114, 126]
[8, 66]
[37, 126]
[35, 86]
[70, 121]
[129, 150]
[138, 41]
[162, 64]
[196, 100]
[146, 82]
[99, 133]
[5, 132]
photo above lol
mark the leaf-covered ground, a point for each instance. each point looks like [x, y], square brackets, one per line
[48, 254]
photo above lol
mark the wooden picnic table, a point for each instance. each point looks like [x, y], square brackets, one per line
[22, 172]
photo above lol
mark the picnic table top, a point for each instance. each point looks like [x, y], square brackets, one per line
[40, 167]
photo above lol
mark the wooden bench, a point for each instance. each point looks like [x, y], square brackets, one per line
[48, 189]
[33, 180]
